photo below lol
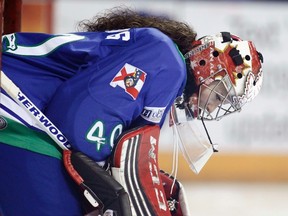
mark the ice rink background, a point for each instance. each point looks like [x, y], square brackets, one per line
[237, 199]
[261, 128]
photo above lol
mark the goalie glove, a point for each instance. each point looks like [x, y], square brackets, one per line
[176, 197]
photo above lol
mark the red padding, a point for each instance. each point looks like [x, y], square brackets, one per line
[69, 167]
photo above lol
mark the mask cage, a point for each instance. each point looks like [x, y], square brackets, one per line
[227, 100]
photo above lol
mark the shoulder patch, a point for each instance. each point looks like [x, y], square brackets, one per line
[131, 79]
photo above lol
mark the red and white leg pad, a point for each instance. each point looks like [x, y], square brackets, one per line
[135, 167]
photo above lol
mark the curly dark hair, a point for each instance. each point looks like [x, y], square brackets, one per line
[121, 18]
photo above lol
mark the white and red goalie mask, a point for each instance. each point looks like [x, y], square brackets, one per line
[228, 74]
[234, 63]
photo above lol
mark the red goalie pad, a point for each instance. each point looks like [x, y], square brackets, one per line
[135, 166]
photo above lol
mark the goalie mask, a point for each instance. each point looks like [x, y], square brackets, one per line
[227, 72]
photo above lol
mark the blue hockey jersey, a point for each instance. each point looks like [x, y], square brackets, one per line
[94, 85]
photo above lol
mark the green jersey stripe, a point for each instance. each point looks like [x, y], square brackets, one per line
[15, 134]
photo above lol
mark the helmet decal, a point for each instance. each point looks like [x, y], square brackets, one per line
[252, 87]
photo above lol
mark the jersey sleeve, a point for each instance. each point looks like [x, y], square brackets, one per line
[164, 84]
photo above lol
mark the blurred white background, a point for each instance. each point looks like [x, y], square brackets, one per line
[237, 199]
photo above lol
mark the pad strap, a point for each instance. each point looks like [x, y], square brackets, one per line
[175, 193]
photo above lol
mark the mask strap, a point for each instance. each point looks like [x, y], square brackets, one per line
[209, 138]
[176, 141]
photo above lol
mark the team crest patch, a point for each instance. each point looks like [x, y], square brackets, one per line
[131, 79]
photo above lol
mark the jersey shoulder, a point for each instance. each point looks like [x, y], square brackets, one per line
[167, 51]
[167, 54]
[155, 36]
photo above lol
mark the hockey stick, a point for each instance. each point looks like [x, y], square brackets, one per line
[16, 94]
